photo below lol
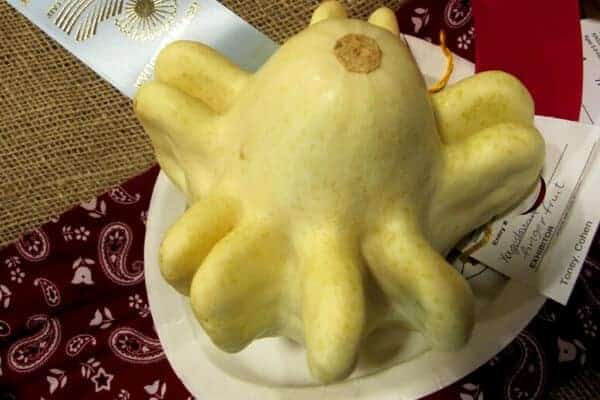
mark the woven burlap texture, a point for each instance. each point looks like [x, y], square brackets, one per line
[282, 19]
[65, 134]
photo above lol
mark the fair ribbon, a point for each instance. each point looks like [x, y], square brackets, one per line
[119, 39]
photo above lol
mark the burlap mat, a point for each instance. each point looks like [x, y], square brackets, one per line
[65, 134]
[280, 19]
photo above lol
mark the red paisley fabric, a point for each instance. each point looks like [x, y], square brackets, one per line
[74, 316]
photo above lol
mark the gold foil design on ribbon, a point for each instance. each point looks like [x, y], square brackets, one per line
[138, 19]
[83, 16]
[146, 73]
[146, 19]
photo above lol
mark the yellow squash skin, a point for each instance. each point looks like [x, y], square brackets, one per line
[325, 188]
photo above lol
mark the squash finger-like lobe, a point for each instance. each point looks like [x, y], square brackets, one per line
[201, 72]
[481, 101]
[512, 154]
[425, 289]
[327, 10]
[386, 19]
[235, 292]
[164, 109]
[178, 125]
[333, 306]
[192, 237]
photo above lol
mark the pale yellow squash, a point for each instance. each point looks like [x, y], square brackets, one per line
[326, 188]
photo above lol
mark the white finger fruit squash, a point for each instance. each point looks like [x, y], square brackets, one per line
[326, 188]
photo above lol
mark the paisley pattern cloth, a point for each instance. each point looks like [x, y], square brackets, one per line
[74, 316]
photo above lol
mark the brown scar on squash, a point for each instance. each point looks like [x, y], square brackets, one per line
[358, 53]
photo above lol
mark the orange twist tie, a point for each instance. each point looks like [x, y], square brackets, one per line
[441, 84]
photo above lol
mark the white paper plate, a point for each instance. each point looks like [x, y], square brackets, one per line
[275, 368]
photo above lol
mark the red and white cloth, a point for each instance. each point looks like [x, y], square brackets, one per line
[74, 316]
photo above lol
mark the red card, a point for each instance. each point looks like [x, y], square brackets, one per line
[540, 43]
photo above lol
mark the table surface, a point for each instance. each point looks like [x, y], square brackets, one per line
[66, 135]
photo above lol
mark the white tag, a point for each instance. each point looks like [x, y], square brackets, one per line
[590, 109]
[551, 261]
[544, 240]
